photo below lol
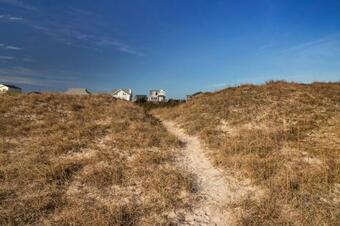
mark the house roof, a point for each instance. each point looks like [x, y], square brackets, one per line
[160, 92]
[78, 91]
[157, 90]
[197, 93]
[10, 86]
[128, 91]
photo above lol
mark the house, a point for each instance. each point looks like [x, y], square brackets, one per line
[77, 91]
[35, 92]
[140, 98]
[189, 97]
[123, 94]
[5, 88]
[157, 95]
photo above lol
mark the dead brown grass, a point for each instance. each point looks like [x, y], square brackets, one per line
[86, 160]
[283, 136]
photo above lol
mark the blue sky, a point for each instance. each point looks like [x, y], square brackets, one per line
[181, 46]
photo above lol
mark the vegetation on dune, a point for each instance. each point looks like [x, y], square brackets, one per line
[85, 160]
[148, 106]
[285, 137]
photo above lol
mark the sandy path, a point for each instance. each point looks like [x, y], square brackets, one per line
[215, 188]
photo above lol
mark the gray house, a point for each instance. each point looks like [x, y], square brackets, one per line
[140, 98]
[5, 88]
[189, 97]
[77, 91]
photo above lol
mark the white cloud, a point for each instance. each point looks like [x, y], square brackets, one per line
[27, 76]
[69, 33]
[306, 45]
[80, 11]
[13, 48]
[7, 58]
[38, 27]
[219, 84]
[18, 3]
[122, 47]
[19, 80]
[324, 51]
[266, 46]
[9, 47]
[11, 18]
[15, 18]
[16, 71]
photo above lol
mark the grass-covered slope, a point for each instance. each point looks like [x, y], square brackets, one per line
[85, 160]
[285, 137]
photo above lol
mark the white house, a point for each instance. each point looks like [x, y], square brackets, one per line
[157, 95]
[123, 94]
[4, 88]
[77, 91]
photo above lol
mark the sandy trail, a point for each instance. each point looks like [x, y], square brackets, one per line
[216, 189]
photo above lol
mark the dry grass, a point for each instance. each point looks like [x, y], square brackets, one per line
[85, 160]
[285, 137]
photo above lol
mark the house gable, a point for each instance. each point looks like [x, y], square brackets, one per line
[124, 94]
[122, 91]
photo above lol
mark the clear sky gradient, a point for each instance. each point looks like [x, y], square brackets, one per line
[181, 46]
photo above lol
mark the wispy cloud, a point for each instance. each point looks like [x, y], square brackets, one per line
[11, 18]
[10, 47]
[265, 47]
[72, 33]
[7, 58]
[27, 76]
[79, 11]
[323, 51]
[19, 4]
[219, 84]
[13, 48]
[17, 71]
[15, 18]
[19, 80]
[118, 45]
[305, 45]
